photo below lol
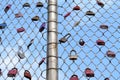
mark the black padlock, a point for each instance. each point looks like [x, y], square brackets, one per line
[74, 77]
[81, 42]
[64, 38]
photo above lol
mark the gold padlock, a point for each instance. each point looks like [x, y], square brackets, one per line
[73, 57]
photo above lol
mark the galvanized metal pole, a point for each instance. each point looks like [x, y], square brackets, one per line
[52, 54]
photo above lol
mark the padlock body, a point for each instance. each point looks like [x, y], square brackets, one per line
[62, 40]
[21, 55]
[73, 57]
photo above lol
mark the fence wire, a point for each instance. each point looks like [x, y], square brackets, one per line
[23, 29]
[88, 39]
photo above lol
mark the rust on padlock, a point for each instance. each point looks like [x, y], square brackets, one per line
[74, 77]
[73, 56]
[64, 38]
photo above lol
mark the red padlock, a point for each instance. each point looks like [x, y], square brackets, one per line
[74, 77]
[12, 72]
[66, 15]
[110, 54]
[89, 72]
[76, 8]
[100, 42]
[20, 29]
[100, 3]
[27, 74]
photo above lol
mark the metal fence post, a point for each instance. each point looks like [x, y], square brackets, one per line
[52, 61]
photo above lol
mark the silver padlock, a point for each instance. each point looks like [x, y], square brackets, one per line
[64, 38]
[73, 55]
[20, 53]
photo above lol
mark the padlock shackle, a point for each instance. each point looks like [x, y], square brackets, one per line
[74, 75]
[67, 36]
[73, 51]
[27, 71]
[14, 68]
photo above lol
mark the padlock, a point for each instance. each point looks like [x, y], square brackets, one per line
[1, 40]
[0, 72]
[65, 38]
[12, 72]
[20, 30]
[100, 3]
[81, 42]
[76, 23]
[27, 74]
[26, 5]
[31, 42]
[110, 54]
[35, 18]
[74, 77]
[21, 55]
[3, 25]
[39, 4]
[106, 79]
[90, 13]
[100, 42]
[19, 14]
[89, 72]
[43, 59]
[42, 27]
[73, 57]
[103, 26]
[76, 8]
[7, 8]
[66, 15]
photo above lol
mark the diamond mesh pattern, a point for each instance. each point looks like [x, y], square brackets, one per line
[11, 39]
[90, 55]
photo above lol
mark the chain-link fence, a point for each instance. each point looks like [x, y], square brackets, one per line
[23, 30]
[89, 39]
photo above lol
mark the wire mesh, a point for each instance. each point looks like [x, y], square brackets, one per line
[89, 39]
[23, 29]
